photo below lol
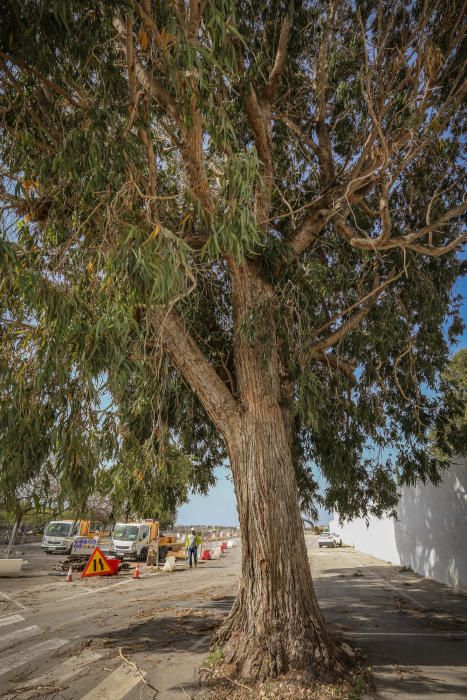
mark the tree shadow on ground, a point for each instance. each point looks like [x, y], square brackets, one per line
[177, 637]
[412, 631]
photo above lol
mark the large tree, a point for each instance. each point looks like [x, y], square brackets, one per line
[231, 229]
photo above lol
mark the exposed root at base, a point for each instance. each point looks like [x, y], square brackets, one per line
[355, 683]
[249, 659]
[345, 677]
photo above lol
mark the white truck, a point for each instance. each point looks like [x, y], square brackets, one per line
[72, 536]
[59, 535]
[131, 540]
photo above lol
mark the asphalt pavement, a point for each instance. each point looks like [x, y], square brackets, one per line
[122, 639]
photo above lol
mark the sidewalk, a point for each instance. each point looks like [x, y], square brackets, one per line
[413, 630]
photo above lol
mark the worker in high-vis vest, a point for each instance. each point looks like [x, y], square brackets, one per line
[192, 543]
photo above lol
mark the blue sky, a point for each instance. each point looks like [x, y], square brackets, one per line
[219, 506]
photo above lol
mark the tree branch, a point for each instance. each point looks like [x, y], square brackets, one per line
[195, 369]
[191, 146]
[344, 330]
[270, 89]
[152, 86]
[79, 102]
[152, 189]
[192, 153]
[298, 132]
[258, 111]
[375, 291]
[325, 149]
[313, 223]
[345, 367]
[369, 301]
[385, 242]
[259, 125]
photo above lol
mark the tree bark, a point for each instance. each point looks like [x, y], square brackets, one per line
[275, 625]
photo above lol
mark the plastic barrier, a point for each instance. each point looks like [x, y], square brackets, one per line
[206, 555]
[114, 564]
[169, 564]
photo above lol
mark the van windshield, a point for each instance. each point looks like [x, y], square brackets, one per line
[125, 532]
[58, 529]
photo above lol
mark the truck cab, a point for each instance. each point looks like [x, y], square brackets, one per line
[59, 534]
[131, 540]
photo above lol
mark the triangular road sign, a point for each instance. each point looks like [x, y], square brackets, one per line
[97, 565]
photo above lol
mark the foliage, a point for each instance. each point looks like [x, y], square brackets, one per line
[450, 432]
[145, 155]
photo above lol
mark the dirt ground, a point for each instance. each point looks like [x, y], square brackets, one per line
[122, 639]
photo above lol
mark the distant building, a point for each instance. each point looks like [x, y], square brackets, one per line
[429, 534]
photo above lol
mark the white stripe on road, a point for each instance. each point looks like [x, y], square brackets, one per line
[96, 591]
[69, 668]
[93, 592]
[7, 599]
[73, 620]
[10, 620]
[23, 633]
[19, 658]
[200, 642]
[115, 686]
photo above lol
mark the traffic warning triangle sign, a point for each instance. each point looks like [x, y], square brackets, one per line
[97, 565]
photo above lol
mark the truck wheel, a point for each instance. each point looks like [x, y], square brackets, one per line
[143, 555]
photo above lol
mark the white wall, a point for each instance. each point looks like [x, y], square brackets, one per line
[378, 539]
[430, 534]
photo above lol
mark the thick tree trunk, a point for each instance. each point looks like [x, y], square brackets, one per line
[275, 625]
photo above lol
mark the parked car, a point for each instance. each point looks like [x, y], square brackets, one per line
[326, 540]
[329, 539]
[337, 539]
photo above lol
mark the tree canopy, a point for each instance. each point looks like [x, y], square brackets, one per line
[450, 431]
[148, 148]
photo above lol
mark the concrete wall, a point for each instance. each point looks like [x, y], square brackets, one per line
[378, 539]
[430, 533]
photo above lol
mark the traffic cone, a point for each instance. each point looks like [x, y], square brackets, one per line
[136, 574]
[69, 576]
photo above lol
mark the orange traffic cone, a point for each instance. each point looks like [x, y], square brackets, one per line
[69, 576]
[136, 574]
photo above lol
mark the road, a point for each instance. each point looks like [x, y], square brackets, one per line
[120, 639]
